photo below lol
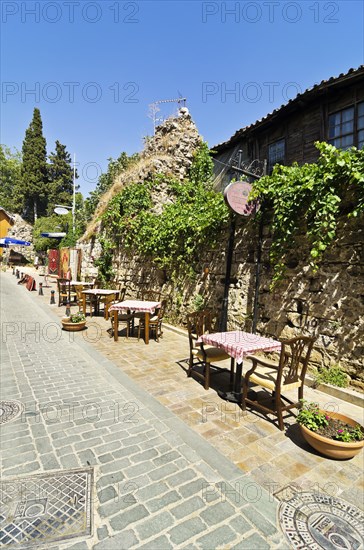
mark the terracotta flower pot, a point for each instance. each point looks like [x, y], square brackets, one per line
[331, 447]
[72, 327]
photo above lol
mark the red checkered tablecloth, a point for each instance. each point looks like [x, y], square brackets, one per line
[136, 305]
[239, 344]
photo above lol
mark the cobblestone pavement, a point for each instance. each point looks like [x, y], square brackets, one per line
[157, 483]
[175, 467]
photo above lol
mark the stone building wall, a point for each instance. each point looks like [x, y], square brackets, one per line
[328, 304]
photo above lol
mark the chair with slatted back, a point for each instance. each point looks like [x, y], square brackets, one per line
[199, 323]
[147, 296]
[155, 322]
[288, 374]
[65, 294]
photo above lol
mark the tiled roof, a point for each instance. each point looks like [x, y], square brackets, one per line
[292, 104]
[9, 216]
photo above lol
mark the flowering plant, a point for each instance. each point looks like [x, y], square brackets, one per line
[321, 422]
[77, 317]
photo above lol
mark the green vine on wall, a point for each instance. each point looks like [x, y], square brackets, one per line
[310, 198]
[188, 223]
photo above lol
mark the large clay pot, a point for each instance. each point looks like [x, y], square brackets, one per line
[330, 447]
[72, 327]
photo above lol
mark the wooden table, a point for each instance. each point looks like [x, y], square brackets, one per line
[97, 292]
[134, 306]
[238, 344]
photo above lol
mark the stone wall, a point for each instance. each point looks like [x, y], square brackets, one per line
[328, 304]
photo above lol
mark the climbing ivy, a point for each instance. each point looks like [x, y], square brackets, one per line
[188, 223]
[311, 197]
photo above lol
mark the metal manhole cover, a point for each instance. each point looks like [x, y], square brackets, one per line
[9, 410]
[314, 521]
[45, 508]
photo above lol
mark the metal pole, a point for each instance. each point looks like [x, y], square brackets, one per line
[74, 194]
[225, 301]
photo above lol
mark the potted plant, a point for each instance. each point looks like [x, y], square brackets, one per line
[331, 434]
[76, 321]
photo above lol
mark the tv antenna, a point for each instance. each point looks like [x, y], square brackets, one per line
[154, 108]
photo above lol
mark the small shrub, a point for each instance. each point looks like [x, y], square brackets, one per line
[333, 375]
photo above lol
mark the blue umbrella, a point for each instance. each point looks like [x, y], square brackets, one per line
[6, 241]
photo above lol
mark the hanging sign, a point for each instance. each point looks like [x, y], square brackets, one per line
[236, 195]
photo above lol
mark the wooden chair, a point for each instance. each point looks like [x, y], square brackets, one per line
[288, 374]
[155, 322]
[64, 292]
[199, 323]
[126, 318]
[90, 300]
[148, 296]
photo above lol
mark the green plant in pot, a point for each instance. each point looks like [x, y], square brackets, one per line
[331, 434]
[76, 321]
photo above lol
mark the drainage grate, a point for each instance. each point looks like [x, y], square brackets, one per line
[45, 508]
[9, 410]
[314, 520]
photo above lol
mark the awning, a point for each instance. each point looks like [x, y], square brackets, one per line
[7, 241]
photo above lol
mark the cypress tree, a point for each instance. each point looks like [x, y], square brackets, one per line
[61, 177]
[34, 184]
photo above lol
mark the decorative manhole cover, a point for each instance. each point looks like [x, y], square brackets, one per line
[45, 508]
[9, 410]
[314, 520]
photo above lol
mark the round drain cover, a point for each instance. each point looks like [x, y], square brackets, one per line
[9, 410]
[315, 520]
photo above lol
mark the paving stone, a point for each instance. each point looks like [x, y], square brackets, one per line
[188, 507]
[161, 502]
[196, 486]
[110, 479]
[87, 458]
[127, 452]
[50, 462]
[106, 458]
[163, 471]
[124, 540]
[259, 521]
[115, 466]
[144, 455]
[150, 491]
[166, 458]
[240, 525]
[107, 494]
[102, 532]
[69, 461]
[180, 477]
[81, 445]
[120, 503]
[160, 543]
[187, 530]
[253, 542]
[154, 525]
[216, 513]
[219, 537]
[133, 515]
[19, 459]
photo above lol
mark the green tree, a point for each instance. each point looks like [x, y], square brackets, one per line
[52, 223]
[10, 173]
[33, 188]
[60, 178]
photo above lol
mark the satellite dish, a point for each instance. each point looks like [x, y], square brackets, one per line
[61, 210]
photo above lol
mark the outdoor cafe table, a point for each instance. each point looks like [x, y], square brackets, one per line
[97, 292]
[238, 345]
[134, 306]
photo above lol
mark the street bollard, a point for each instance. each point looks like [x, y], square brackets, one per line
[17, 274]
[13, 270]
[40, 291]
[53, 301]
[68, 309]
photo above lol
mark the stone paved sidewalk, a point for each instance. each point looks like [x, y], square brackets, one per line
[158, 484]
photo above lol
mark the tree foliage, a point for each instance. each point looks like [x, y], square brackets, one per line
[171, 239]
[311, 198]
[33, 188]
[60, 172]
[10, 170]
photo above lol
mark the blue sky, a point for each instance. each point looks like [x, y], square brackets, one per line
[93, 68]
